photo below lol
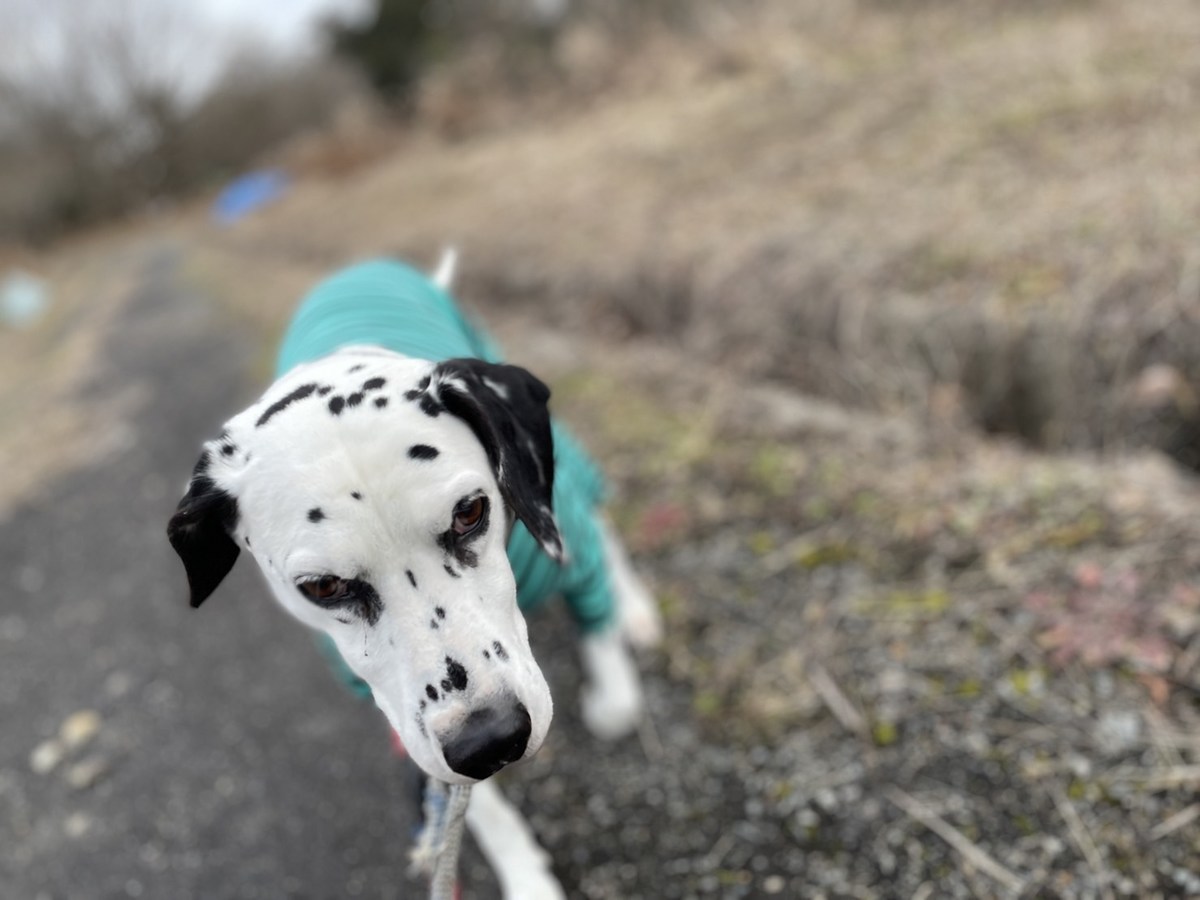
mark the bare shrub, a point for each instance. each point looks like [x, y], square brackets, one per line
[108, 106]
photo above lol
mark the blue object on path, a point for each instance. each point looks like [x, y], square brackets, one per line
[23, 299]
[248, 193]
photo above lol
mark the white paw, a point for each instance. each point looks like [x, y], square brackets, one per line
[607, 717]
[611, 702]
[641, 621]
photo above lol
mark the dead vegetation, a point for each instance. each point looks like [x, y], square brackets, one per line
[952, 667]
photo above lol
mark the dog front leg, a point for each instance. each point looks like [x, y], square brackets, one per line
[637, 613]
[506, 841]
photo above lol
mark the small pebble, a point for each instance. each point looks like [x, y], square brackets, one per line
[46, 756]
[1119, 729]
[77, 825]
[79, 728]
[85, 774]
[773, 884]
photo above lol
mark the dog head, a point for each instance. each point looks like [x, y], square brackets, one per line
[376, 493]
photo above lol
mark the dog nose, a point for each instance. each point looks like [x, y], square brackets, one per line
[489, 740]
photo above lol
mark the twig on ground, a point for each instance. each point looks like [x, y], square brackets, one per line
[837, 702]
[1162, 736]
[1171, 824]
[1187, 660]
[648, 737]
[1083, 840]
[716, 853]
[955, 838]
[1161, 779]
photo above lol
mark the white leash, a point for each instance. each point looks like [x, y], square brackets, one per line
[436, 852]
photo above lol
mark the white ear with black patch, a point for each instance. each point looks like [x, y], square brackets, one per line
[505, 406]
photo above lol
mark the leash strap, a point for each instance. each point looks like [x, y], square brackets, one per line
[437, 849]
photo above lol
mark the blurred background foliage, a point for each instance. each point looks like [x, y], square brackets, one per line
[112, 106]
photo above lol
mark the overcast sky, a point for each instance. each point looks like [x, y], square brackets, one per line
[285, 24]
[47, 50]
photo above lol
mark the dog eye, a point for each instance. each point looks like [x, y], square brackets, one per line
[469, 515]
[324, 590]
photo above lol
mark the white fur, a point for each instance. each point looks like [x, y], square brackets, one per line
[612, 698]
[637, 613]
[447, 266]
[521, 865]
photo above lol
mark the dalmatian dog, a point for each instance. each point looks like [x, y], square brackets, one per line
[385, 495]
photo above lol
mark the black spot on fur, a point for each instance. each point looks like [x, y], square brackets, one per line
[316, 514]
[202, 464]
[280, 405]
[431, 692]
[336, 404]
[439, 612]
[247, 540]
[381, 402]
[422, 451]
[374, 384]
[356, 368]
[420, 394]
[457, 674]
[356, 495]
[324, 389]
[500, 651]
[228, 450]
[412, 579]
[486, 655]
[367, 600]
[433, 624]
[451, 572]
[354, 399]
[344, 621]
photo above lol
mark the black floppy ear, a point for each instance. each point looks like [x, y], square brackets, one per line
[506, 408]
[200, 532]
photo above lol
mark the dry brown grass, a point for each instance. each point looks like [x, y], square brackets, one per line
[967, 211]
[862, 200]
[47, 424]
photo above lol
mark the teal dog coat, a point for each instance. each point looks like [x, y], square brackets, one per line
[390, 305]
